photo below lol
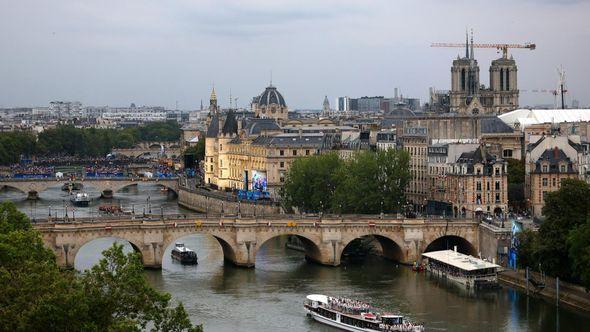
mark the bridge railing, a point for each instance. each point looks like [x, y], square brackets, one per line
[261, 218]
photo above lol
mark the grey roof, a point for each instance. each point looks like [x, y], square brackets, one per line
[256, 126]
[493, 125]
[296, 141]
[231, 124]
[271, 96]
[213, 129]
[554, 157]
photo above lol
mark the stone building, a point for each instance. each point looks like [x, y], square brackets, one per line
[415, 142]
[478, 183]
[550, 160]
[270, 104]
[254, 154]
[468, 96]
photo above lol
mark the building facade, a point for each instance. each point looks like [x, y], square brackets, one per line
[550, 160]
[478, 183]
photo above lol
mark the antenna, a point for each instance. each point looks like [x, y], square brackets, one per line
[230, 98]
[561, 85]
[271, 77]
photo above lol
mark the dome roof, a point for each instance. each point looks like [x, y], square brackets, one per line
[271, 96]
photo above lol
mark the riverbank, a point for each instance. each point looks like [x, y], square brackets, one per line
[572, 296]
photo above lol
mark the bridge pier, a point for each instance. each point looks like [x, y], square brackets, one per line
[107, 193]
[33, 195]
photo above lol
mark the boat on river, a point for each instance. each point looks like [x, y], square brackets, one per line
[353, 315]
[184, 255]
[468, 271]
[81, 199]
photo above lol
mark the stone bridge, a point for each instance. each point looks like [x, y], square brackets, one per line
[324, 239]
[106, 186]
[171, 149]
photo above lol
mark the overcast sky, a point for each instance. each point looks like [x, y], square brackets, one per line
[154, 52]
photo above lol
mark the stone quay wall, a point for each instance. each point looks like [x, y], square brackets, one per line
[214, 202]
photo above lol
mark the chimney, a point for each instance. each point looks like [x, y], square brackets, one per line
[455, 248]
[555, 152]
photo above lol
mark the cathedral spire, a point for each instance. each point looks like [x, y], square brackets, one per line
[471, 53]
[466, 44]
[213, 101]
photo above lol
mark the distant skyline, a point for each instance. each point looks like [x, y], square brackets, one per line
[153, 52]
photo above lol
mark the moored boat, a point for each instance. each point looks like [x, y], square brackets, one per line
[469, 271]
[81, 199]
[352, 315]
[184, 255]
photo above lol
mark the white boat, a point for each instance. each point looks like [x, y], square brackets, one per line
[184, 255]
[81, 199]
[352, 315]
[468, 271]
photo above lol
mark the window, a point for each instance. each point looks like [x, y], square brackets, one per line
[545, 182]
[478, 200]
[211, 168]
[497, 198]
[554, 182]
[282, 152]
[282, 164]
[307, 152]
[487, 186]
[544, 168]
[507, 153]
[294, 152]
[220, 147]
[478, 186]
[562, 168]
[221, 163]
[497, 185]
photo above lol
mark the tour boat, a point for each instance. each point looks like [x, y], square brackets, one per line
[81, 199]
[468, 271]
[352, 315]
[184, 255]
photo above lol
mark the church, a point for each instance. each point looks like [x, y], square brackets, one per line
[468, 96]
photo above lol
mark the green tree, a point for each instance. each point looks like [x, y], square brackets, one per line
[372, 182]
[564, 210]
[197, 150]
[516, 175]
[35, 295]
[311, 182]
[579, 252]
[119, 296]
[528, 246]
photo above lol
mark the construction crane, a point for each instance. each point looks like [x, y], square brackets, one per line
[503, 47]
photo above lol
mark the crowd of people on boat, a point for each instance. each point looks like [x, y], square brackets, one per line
[348, 305]
[403, 327]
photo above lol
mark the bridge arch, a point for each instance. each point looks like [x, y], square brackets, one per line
[311, 244]
[74, 251]
[388, 246]
[449, 242]
[226, 243]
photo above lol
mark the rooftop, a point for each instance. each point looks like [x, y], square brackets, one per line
[459, 260]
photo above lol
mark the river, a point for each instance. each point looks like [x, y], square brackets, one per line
[269, 297]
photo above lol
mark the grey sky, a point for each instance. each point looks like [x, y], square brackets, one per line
[155, 52]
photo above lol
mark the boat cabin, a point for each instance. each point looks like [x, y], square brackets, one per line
[465, 269]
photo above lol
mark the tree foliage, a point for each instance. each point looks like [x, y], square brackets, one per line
[14, 144]
[311, 182]
[369, 182]
[82, 142]
[561, 248]
[35, 295]
[197, 150]
[516, 176]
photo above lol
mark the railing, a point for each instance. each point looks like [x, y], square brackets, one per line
[291, 220]
[98, 178]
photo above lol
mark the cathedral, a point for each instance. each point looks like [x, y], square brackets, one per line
[468, 96]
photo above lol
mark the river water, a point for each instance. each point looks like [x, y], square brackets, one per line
[269, 297]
